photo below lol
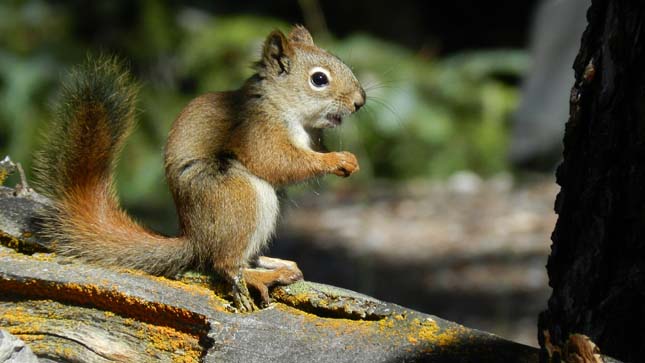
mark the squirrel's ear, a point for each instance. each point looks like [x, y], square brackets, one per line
[300, 34]
[276, 53]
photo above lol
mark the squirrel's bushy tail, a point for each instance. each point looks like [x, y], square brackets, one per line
[94, 116]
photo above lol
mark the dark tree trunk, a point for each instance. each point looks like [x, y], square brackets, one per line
[597, 262]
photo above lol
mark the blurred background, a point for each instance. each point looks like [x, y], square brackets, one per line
[452, 210]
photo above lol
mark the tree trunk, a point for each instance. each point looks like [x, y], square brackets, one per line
[597, 263]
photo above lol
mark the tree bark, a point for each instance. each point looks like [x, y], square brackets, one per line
[597, 262]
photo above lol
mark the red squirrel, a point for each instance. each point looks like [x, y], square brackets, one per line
[226, 154]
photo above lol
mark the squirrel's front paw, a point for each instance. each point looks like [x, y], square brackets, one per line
[345, 163]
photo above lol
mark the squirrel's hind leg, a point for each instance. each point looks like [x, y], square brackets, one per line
[272, 272]
[262, 279]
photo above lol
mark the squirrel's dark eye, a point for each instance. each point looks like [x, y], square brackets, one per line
[319, 79]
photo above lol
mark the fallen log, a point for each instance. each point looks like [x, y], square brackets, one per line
[69, 311]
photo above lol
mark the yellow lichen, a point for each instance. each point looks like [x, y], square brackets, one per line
[30, 324]
[45, 257]
[107, 299]
[4, 173]
[398, 329]
[190, 286]
[19, 243]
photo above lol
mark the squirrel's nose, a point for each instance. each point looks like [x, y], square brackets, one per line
[359, 100]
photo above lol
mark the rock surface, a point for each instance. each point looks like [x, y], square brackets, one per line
[14, 350]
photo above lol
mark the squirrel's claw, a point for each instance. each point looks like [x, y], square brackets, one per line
[270, 272]
[344, 164]
[242, 300]
[263, 290]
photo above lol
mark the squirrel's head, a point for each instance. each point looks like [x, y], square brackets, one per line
[307, 83]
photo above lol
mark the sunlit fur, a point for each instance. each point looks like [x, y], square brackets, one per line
[92, 119]
[308, 107]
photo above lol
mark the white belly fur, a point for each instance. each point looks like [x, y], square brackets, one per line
[267, 208]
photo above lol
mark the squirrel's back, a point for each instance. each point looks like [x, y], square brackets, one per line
[93, 117]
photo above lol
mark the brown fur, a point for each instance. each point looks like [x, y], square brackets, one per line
[226, 152]
[75, 170]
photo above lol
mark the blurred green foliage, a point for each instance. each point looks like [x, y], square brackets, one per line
[425, 117]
